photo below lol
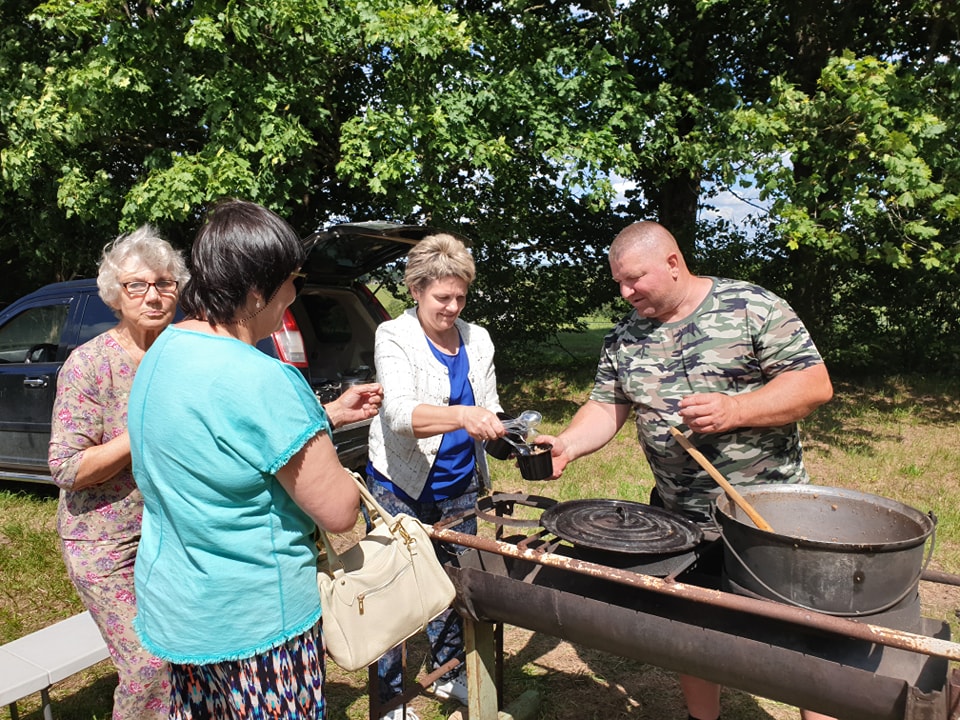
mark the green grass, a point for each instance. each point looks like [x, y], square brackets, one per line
[392, 304]
[35, 588]
[895, 437]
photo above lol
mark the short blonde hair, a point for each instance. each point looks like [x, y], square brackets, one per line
[435, 257]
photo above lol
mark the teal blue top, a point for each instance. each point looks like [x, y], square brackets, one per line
[226, 567]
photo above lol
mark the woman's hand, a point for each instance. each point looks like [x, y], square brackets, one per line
[358, 402]
[480, 423]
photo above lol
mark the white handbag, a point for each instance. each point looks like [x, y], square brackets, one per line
[382, 590]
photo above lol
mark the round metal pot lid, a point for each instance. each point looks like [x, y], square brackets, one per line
[621, 526]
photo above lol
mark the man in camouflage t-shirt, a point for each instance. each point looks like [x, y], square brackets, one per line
[736, 340]
[728, 360]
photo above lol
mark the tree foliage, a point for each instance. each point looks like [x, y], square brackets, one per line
[514, 122]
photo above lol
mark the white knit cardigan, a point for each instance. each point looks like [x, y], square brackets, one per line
[412, 376]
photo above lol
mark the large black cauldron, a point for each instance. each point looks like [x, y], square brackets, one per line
[835, 551]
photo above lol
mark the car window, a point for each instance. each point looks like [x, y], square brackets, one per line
[97, 319]
[328, 318]
[33, 335]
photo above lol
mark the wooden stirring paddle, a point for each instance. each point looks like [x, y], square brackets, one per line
[721, 481]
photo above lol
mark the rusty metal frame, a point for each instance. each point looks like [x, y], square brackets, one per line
[855, 629]
[541, 553]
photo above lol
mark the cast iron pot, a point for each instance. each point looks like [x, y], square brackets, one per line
[836, 551]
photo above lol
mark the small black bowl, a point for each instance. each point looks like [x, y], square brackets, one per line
[538, 465]
[501, 449]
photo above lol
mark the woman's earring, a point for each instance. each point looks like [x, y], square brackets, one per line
[258, 304]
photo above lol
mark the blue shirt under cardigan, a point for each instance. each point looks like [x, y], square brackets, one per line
[453, 470]
[411, 376]
[455, 465]
[226, 566]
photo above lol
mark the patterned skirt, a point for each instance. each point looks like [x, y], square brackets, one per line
[285, 683]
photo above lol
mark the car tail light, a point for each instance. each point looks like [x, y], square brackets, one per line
[289, 342]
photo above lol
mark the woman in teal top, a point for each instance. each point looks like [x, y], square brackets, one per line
[232, 453]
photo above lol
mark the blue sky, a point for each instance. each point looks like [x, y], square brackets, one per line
[727, 205]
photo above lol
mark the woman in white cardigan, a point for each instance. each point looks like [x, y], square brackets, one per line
[440, 403]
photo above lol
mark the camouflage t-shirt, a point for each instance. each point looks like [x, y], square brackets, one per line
[739, 338]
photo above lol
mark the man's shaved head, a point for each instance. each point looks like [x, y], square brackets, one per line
[646, 236]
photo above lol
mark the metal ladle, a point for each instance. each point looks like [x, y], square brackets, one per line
[525, 423]
[531, 418]
[522, 448]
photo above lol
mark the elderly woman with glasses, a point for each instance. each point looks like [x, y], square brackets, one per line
[234, 457]
[98, 518]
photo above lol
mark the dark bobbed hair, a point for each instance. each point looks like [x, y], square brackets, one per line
[240, 247]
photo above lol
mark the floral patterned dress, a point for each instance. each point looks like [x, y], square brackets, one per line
[99, 526]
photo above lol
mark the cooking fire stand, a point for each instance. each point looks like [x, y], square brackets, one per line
[851, 669]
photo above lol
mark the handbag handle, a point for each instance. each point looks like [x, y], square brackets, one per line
[373, 507]
[367, 499]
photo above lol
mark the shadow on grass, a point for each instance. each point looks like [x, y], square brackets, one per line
[617, 687]
[39, 491]
[866, 411]
[341, 696]
[92, 702]
[556, 392]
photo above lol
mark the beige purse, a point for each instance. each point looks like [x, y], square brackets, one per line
[382, 590]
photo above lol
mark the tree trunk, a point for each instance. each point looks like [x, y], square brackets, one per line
[677, 201]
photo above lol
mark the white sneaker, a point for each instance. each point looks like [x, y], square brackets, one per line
[398, 714]
[454, 689]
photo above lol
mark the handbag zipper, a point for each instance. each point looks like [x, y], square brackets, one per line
[371, 591]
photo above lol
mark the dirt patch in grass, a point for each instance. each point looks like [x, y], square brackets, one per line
[578, 683]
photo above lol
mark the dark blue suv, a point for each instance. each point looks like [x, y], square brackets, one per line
[328, 333]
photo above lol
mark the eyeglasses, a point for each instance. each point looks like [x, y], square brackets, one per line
[299, 278]
[139, 287]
